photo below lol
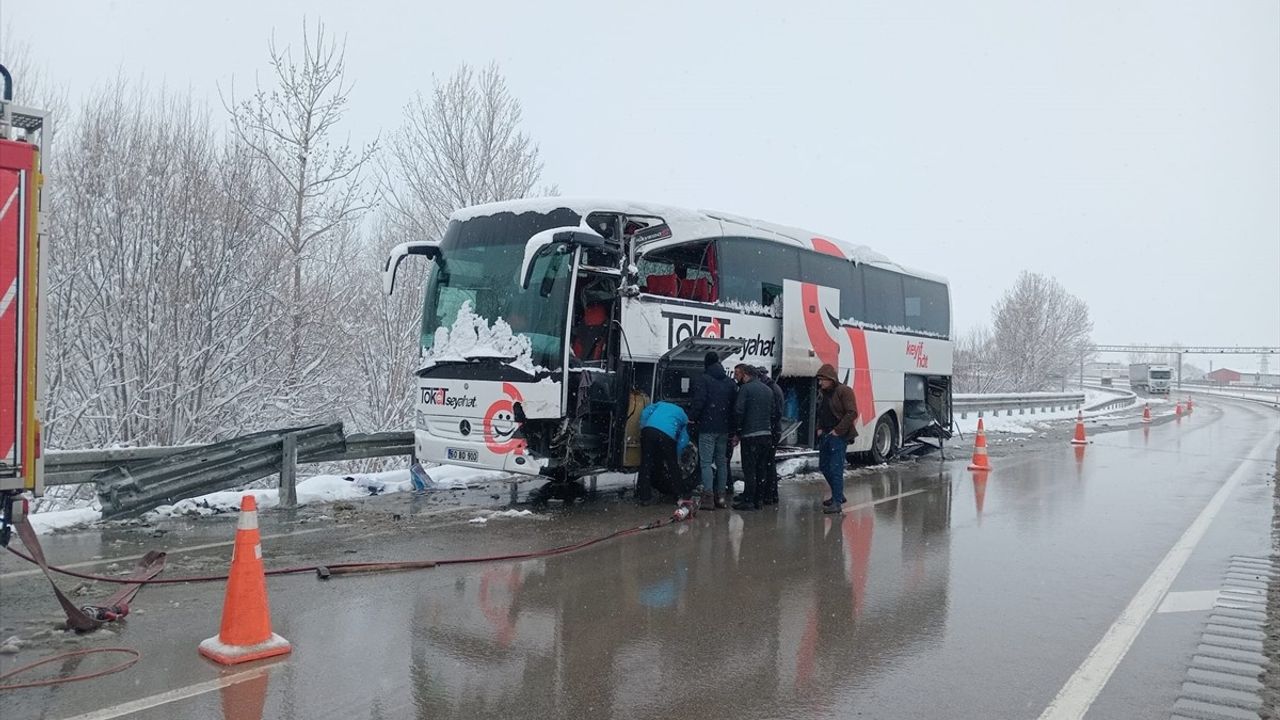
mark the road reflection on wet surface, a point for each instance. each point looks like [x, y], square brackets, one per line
[940, 593]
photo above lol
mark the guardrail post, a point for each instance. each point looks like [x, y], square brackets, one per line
[289, 471]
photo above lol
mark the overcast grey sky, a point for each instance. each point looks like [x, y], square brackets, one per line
[1131, 149]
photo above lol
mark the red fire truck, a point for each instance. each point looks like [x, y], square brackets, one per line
[23, 134]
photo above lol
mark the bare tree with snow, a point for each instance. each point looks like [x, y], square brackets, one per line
[461, 146]
[1041, 332]
[976, 367]
[291, 127]
[160, 282]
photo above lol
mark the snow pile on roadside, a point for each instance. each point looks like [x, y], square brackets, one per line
[512, 513]
[472, 336]
[318, 489]
[456, 477]
[321, 488]
[47, 522]
[1014, 424]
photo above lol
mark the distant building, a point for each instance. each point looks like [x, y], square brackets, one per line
[1260, 378]
[1223, 376]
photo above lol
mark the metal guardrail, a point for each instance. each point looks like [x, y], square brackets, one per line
[963, 404]
[371, 445]
[131, 481]
[1123, 399]
[134, 488]
[74, 467]
[1268, 399]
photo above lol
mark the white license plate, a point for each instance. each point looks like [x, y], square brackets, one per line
[462, 455]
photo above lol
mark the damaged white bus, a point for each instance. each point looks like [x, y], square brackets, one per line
[548, 324]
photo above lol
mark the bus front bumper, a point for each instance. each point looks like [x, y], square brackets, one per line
[474, 454]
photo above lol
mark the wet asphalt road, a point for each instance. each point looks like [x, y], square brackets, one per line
[938, 595]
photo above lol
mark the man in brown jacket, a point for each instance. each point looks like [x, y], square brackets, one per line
[837, 427]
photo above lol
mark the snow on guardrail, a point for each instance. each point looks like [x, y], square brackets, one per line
[992, 403]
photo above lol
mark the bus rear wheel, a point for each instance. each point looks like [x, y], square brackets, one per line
[884, 440]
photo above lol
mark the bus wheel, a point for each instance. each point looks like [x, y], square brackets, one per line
[884, 441]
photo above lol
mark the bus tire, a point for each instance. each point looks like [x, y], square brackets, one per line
[884, 440]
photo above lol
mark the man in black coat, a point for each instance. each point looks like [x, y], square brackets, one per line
[755, 415]
[769, 494]
[713, 397]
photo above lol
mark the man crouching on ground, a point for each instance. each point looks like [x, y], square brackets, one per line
[664, 434]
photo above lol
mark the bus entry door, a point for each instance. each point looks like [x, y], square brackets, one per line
[811, 332]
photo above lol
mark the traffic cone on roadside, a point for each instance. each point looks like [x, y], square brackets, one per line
[246, 618]
[1189, 405]
[1177, 410]
[1146, 413]
[980, 461]
[1079, 436]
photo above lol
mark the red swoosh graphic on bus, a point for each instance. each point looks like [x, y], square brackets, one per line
[862, 391]
[826, 247]
[826, 348]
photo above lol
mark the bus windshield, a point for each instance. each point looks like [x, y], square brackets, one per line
[480, 263]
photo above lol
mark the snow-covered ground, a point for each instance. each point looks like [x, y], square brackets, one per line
[318, 489]
[47, 522]
[1029, 424]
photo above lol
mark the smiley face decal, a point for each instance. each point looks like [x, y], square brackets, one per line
[500, 423]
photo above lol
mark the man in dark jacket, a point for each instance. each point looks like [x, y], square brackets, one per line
[837, 427]
[754, 413]
[770, 494]
[713, 396]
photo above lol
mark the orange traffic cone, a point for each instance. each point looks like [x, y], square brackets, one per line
[1189, 405]
[980, 461]
[1079, 436]
[1146, 413]
[1177, 410]
[246, 619]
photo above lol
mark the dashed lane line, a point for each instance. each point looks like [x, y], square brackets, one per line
[1082, 688]
[170, 696]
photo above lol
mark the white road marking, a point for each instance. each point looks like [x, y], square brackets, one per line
[1082, 688]
[1188, 601]
[170, 696]
[849, 508]
[175, 551]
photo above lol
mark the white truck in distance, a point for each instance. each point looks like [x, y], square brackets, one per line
[1152, 378]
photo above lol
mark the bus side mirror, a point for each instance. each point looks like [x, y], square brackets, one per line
[427, 248]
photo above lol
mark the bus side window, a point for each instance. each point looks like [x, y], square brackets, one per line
[925, 303]
[752, 270]
[885, 304]
[838, 273]
[685, 271]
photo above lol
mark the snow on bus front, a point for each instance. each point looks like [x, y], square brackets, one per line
[477, 383]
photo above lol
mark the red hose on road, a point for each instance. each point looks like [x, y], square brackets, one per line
[135, 656]
[367, 567]
[337, 569]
